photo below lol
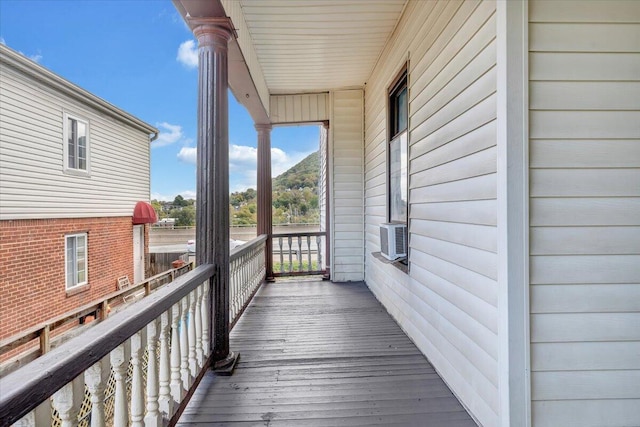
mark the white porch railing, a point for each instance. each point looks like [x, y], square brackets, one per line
[247, 272]
[137, 367]
[299, 253]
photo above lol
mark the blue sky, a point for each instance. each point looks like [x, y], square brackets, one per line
[141, 57]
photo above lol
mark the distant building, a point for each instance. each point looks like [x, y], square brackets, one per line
[73, 168]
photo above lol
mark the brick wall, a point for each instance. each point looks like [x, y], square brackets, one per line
[32, 270]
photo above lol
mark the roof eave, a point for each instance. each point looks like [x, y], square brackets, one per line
[10, 57]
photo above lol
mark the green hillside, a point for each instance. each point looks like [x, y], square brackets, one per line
[295, 196]
[303, 175]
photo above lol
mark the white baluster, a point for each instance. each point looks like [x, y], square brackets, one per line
[41, 416]
[153, 417]
[233, 281]
[67, 401]
[176, 380]
[164, 399]
[206, 316]
[96, 378]
[281, 260]
[245, 281]
[184, 345]
[290, 254]
[120, 363]
[199, 353]
[232, 288]
[28, 420]
[137, 388]
[193, 362]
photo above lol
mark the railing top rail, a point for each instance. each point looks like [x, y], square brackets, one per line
[24, 389]
[240, 250]
[301, 234]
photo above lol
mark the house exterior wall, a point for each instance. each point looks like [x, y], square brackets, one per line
[447, 302]
[585, 212]
[323, 182]
[299, 108]
[41, 202]
[346, 185]
[33, 183]
[33, 267]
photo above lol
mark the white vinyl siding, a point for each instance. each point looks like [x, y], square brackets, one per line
[313, 46]
[347, 186]
[33, 181]
[300, 108]
[448, 302]
[585, 212]
[324, 178]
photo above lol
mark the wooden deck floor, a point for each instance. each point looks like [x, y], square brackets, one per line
[323, 354]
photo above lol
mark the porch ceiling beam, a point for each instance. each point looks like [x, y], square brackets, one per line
[239, 79]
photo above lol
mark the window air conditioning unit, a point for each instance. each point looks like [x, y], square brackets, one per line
[393, 241]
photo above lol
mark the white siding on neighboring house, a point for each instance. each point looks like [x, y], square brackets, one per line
[585, 212]
[346, 186]
[33, 184]
[447, 303]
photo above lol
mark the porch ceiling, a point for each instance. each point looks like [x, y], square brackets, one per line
[318, 45]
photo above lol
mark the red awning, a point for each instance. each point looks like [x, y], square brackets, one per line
[144, 213]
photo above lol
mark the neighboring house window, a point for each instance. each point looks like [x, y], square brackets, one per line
[76, 260]
[398, 150]
[76, 144]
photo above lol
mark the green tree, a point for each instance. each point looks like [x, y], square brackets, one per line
[157, 206]
[180, 201]
[185, 217]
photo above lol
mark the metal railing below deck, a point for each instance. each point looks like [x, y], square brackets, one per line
[298, 254]
[171, 323]
[247, 271]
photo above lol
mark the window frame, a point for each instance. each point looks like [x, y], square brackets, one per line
[77, 285]
[395, 133]
[65, 144]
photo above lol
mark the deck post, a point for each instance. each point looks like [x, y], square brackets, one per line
[212, 233]
[264, 194]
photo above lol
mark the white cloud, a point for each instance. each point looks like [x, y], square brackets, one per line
[242, 157]
[35, 57]
[188, 155]
[243, 162]
[169, 134]
[188, 194]
[188, 54]
[281, 161]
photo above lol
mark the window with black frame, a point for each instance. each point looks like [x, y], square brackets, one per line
[398, 150]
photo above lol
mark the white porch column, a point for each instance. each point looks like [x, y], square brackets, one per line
[213, 35]
[264, 192]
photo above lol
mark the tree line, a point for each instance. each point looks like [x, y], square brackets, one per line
[295, 199]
